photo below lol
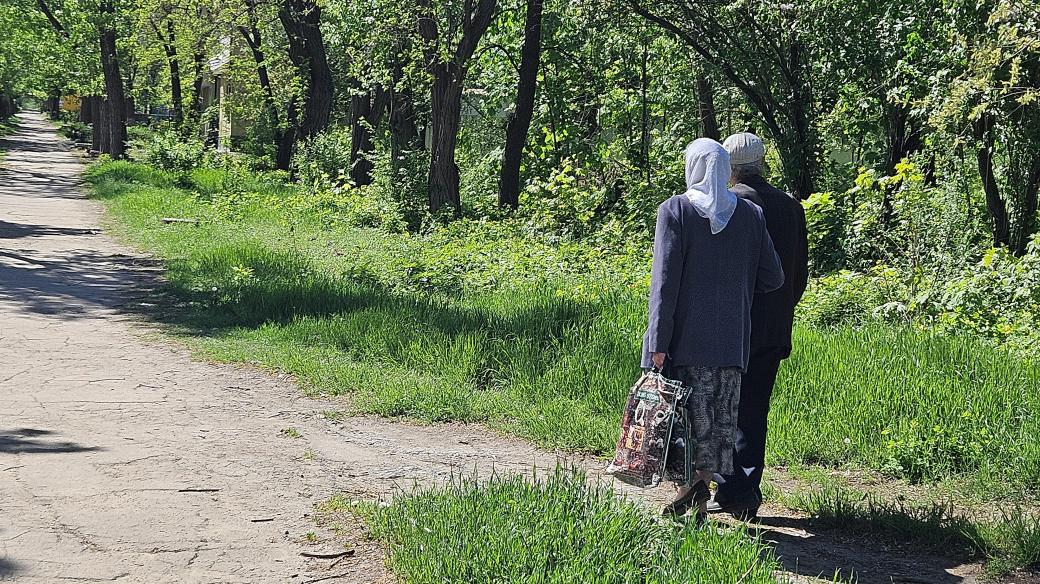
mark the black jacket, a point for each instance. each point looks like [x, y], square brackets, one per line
[772, 314]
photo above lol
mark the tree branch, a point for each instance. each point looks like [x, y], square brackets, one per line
[46, 10]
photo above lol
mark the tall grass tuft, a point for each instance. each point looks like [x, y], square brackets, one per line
[558, 529]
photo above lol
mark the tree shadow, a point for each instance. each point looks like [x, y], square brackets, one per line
[8, 569]
[71, 284]
[10, 230]
[861, 555]
[36, 441]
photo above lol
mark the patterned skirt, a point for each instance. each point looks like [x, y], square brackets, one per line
[714, 396]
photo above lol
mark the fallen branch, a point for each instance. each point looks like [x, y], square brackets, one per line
[197, 490]
[168, 220]
[327, 555]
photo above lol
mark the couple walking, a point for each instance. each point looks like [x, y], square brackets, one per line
[730, 264]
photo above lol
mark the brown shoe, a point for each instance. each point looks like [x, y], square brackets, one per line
[697, 496]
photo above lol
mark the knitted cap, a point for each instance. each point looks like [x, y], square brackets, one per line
[744, 148]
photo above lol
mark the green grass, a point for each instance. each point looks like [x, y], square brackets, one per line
[558, 529]
[7, 127]
[442, 327]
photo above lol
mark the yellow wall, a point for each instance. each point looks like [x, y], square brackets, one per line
[70, 103]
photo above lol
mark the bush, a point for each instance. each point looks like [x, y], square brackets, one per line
[324, 159]
[855, 298]
[997, 298]
[172, 152]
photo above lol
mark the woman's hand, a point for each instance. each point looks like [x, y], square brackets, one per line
[658, 359]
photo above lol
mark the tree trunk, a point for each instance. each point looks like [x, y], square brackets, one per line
[170, 45]
[994, 203]
[366, 111]
[116, 127]
[102, 137]
[446, 97]
[301, 20]
[446, 93]
[520, 120]
[252, 36]
[904, 136]
[287, 139]
[198, 61]
[85, 115]
[96, 123]
[805, 143]
[706, 108]
[404, 134]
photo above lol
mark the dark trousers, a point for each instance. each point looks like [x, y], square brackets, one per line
[756, 388]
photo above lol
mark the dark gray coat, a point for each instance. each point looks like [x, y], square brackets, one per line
[702, 285]
[772, 315]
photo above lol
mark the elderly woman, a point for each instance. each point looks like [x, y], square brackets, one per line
[712, 253]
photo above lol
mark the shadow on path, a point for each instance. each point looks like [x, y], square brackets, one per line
[9, 230]
[852, 557]
[36, 441]
[74, 284]
[8, 569]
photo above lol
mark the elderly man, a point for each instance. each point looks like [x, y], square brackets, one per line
[772, 316]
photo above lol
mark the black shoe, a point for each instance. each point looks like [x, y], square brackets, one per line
[697, 495]
[743, 508]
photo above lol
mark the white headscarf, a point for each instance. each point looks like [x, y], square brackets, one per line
[707, 182]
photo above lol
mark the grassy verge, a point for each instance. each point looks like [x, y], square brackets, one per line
[7, 127]
[535, 337]
[554, 530]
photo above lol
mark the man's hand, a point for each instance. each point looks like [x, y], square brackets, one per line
[658, 359]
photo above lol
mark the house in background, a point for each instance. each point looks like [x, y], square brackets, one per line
[220, 128]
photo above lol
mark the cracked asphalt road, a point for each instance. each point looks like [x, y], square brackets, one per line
[121, 459]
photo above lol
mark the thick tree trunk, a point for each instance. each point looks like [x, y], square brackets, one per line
[170, 45]
[301, 20]
[994, 203]
[366, 112]
[287, 139]
[85, 115]
[93, 104]
[6, 106]
[520, 120]
[446, 93]
[102, 137]
[904, 136]
[116, 127]
[446, 114]
[706, 108]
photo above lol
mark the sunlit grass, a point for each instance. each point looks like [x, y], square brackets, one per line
[328, 304]
[558, 529]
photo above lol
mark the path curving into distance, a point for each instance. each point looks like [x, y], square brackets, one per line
[122, 459]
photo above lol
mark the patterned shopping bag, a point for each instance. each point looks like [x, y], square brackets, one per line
[652, 415]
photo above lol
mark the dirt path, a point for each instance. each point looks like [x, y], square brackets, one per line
[122, 459]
